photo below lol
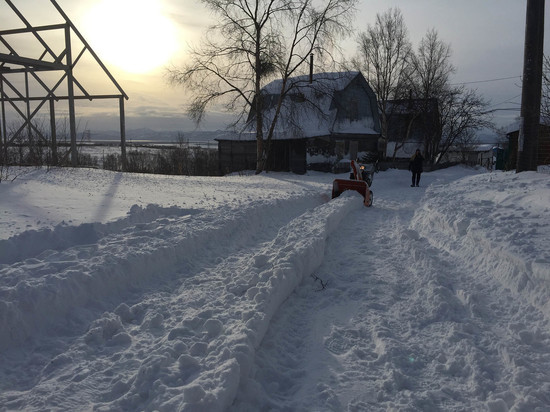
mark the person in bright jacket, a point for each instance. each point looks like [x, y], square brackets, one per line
[415, 166]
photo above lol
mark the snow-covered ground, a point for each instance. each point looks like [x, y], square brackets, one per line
[124, 292]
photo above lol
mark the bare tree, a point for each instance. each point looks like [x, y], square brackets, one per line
[429, 74]
[431, 66]
[462, 113]
[254, 42]
[384, 54]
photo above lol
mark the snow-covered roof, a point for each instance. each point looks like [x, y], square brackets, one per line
[483, 147]
[333, 81]
[309, 108]
[515, 126]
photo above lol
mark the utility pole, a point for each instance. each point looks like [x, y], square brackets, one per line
[532, 85]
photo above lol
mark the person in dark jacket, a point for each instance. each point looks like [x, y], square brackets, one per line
[415, 166]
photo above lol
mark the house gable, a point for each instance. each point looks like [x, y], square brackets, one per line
[357, 109]
[323, 105]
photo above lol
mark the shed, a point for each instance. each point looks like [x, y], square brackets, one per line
[543, 157]
[324, 117]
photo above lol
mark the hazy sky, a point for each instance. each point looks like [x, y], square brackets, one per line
[138, 39]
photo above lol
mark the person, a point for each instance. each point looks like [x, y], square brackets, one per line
[415, 166]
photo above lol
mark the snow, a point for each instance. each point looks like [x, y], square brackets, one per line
[125, 292]
[328, 81]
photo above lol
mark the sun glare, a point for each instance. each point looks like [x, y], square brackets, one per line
[133, 35]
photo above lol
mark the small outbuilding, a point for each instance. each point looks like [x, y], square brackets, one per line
[324, 118]
[543, 157]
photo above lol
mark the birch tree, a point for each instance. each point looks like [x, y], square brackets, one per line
[252, 43]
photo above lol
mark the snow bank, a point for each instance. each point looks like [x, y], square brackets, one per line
[149, 243]
[33, 242]
[500, 222]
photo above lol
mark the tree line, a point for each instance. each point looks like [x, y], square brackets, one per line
[396, 70]
[181, 158]
[256, 41]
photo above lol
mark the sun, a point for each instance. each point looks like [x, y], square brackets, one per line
[133, 35]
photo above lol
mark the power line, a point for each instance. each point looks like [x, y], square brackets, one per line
[510, 100]
[515, 109]
[487, 81]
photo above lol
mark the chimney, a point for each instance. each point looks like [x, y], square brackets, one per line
[311, 68]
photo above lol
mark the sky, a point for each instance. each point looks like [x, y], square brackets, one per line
[138, 40]
[240, 293]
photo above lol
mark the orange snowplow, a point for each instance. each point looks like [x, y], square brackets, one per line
[358, 184]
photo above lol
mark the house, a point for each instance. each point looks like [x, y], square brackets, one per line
[412, 124]
[324, 117]
[543, 155]
[474, 155]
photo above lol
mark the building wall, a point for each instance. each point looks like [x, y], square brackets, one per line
[543, 155]
[544, 146]
[472, 158]
[240, 155]
[236, 156]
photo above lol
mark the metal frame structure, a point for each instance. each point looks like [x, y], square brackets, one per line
[62, 65]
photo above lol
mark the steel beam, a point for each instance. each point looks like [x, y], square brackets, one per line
[13, 64]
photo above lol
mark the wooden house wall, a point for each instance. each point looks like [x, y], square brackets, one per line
[544, 146]
[328, 145]
[286, 156]
[236, 155]
[543, 155]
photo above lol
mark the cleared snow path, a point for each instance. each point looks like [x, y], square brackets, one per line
[173, 307]
[404, 324]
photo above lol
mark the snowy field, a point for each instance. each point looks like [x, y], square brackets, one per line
[124, 292]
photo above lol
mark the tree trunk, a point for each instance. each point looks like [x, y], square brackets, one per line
[260, 157]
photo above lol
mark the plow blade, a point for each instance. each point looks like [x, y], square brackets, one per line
[360, 186]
